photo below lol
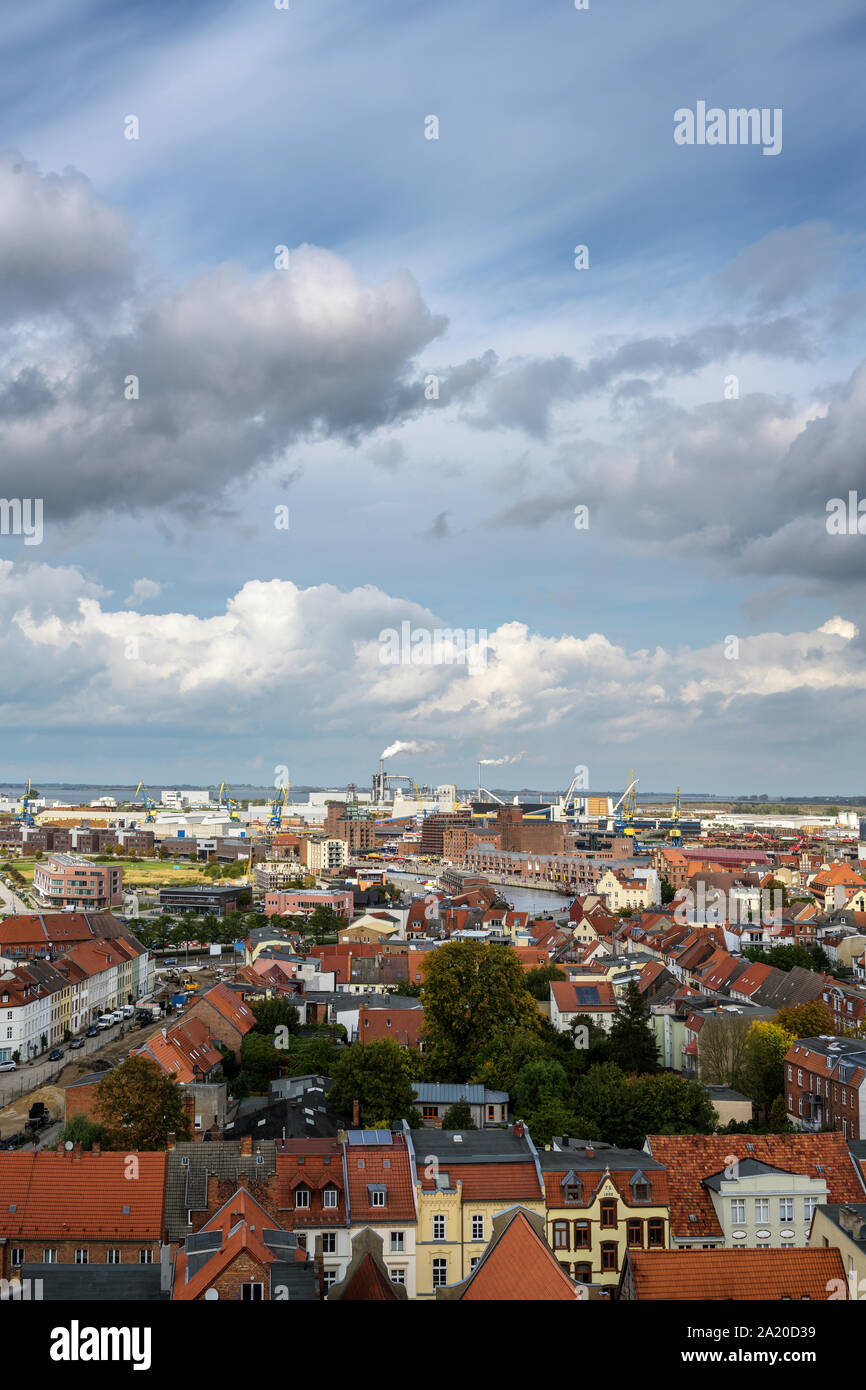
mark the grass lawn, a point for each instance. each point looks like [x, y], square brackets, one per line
[151, 873]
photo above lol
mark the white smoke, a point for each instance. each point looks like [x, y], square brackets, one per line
[500, 762]
[400, 747]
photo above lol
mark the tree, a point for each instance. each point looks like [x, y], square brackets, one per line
[723, 1046]
[538, 1081]
[323, 922]
[472, 991]
[632, 1046]
[83, 1131]
[668, 891]
[261, 1062]
[538, 980]
[271, 1014]
[807, 1020]
[501, 1059]
[778, 1118]
[459, 1116]
[763, 1063]
[140, 1106]
[378, 1076]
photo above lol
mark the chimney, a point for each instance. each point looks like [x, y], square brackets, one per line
[246, 1145]
[170, 1140]
[590, 1149]
[519, 1130]
[76, 1151]
[356, 1114]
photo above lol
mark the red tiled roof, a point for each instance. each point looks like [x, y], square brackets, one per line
[52, 1193]
[760, 1275]
[689, 1158]
[519, 1266]
[369, 1283]
[365, 1165]
[489, 1181]
[227, 1003]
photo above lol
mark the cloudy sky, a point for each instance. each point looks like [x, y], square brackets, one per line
[251, 463]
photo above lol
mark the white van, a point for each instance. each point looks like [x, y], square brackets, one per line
[128, 1010]
[105, 1021]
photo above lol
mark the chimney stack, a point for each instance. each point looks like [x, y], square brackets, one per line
[171, 1140]
[590, 1149]
[76, 1151]
[246, 1145]
[519, 1130]
[356, 1114]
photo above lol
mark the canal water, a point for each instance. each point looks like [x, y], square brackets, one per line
[522, 899]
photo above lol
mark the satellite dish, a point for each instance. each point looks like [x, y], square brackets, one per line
[210, 1295]
[68, 1145]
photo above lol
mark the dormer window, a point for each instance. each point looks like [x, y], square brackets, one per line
[330, 1197]
[302, 1197]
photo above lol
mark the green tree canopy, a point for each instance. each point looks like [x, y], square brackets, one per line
[139, 1106]
[378, 1076]
[472, 990]
[459, 1116]
[631, 1044]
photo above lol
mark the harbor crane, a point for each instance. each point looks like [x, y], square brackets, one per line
[675, 834]
[224, 799]
[275, 819]
[25, 815]
[149, 803]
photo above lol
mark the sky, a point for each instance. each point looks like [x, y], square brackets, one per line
[299, 351]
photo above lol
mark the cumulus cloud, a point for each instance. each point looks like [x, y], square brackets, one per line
[174, 395]
[280, 653]
[142, 590]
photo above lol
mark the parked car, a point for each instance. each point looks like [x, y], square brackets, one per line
[8, 1066]
[92, 1032]
[13, 1140]
[76, 1044]
[57, 1055]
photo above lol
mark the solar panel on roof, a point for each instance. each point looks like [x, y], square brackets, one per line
[586, 994]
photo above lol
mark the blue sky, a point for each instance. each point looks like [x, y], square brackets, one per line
[603, 387]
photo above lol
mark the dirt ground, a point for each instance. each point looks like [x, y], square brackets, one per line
[12, 1116]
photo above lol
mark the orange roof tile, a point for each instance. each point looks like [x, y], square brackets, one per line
[758, 1275]
[519, 1266]
[53, 1193]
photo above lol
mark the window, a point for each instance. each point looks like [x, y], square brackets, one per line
[82, 1256]
[430, 1112]
[330, 1278]
[634, 1232]
[809, 1205]
[438, 1227]
[641, 1191]
[738, 1210]
[478, 1228]
[655, 1233]
[398, 1242]
[491, 1112]
[473, 1262]
[762, 1208]
[786, 1208]
[252, 1291]
[398, 1276]
[572, 1194]
[329, 1197]
[581, 1235]
[608, 1255]
[329, 1243]
[583, 1273]
[112, 1257]
[608, 1214]
[377, 1196]
[17, 1255]
[49, 1256]
[145, 1257]
[302, 1197]
[440, 1270]
[560, 1235]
